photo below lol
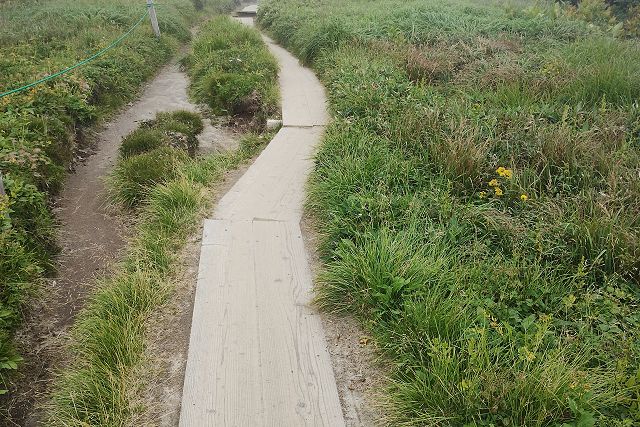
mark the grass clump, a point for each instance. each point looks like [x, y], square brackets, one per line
[181, 128]
[477, 204]
[100, 385]
[141, 141]
[187, 122]
[153, 154]
[134, 176]
[232, 70]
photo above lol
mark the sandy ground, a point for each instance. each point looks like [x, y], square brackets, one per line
[92, 236]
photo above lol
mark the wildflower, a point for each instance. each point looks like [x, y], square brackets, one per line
[493, 183]
[498, 191]
[482, 194]
[507, 173]
[524, 197]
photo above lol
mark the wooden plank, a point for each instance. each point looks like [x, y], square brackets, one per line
[303, 97]
[223, 364]
[258, 355]
[273, 188]
[296, 367]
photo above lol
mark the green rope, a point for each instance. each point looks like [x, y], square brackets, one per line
[73, 67]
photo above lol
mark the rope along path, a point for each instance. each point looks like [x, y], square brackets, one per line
[98, 54]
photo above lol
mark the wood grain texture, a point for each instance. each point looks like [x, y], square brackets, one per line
[273, 187]
[257, 353]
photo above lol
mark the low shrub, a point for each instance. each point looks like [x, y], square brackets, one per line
[134, 176]
[141, 141]
[232, 71]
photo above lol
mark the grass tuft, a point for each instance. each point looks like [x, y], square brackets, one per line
[232, 70]
[134, 176]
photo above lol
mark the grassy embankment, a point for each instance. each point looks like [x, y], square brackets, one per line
[478, 199]
[242, 82]
[169, 192]
[40, 128]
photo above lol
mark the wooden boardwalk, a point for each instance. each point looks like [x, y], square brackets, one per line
[257, 353]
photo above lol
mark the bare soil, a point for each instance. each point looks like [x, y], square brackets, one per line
[92, 236]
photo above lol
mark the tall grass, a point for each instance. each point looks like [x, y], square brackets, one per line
[478, 206]
[233, 72]
[100, 386]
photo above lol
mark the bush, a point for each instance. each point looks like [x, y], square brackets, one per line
[192, 124]
[19, 275]
[134, 176]
[632, 24]
[232, 71]
[141, 141]
[596, 12]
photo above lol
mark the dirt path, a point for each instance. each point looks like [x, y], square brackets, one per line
[92, 237]
[257, 353]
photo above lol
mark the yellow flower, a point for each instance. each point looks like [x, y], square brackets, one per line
[508, 173]
[500, 171]
[483, 194]
[493, 183]
[524, 197]
[498, 191]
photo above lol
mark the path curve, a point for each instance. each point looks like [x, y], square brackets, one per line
[257, 352]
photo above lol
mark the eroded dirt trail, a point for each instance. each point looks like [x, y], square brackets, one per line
[92, 237]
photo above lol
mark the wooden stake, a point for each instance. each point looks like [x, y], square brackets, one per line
[154, 18]
[2, 192]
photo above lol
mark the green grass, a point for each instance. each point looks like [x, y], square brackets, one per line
[492, 308]
[99, 388]
[232, 70]
[41, 127]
